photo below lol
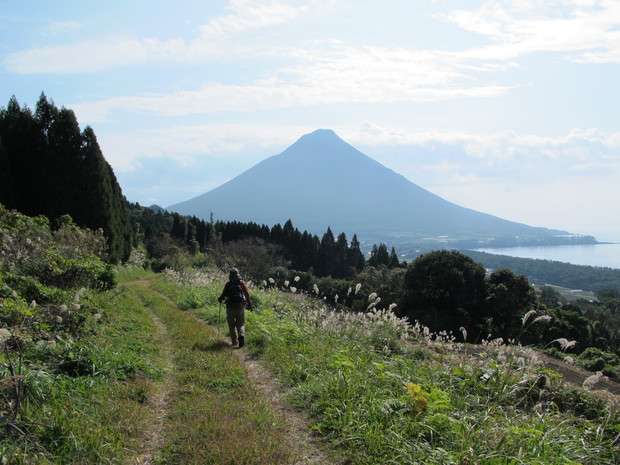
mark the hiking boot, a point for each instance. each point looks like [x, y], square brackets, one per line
[241, 341]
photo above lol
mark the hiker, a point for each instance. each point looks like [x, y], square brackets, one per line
[237, 299]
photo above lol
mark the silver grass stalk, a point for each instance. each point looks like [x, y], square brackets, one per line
[564, 343]
[590, 381]
[5, 334]
[527, 317]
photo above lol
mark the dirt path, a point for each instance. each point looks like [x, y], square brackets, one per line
[306, 449]
[158, 399]
[576, 376]
[153, 438]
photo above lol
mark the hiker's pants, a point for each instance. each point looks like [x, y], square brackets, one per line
[235, 315]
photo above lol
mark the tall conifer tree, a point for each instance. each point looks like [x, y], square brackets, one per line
[55, 169]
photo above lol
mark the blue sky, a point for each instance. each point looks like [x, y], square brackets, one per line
[506, 107]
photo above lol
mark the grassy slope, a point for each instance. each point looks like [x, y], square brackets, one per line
[95, 417]
[380, 400]
[167, 390]
[163, 389]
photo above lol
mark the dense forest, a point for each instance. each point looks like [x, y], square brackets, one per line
[49, 167]
[326, 256]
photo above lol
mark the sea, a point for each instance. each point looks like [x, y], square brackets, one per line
[603, 254]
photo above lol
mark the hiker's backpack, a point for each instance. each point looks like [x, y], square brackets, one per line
[235, 293]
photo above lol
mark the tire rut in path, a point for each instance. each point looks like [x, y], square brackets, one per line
[153, 439]
[306, 449]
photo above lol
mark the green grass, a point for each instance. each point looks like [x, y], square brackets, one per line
[379, 399]
[215, 415]
[96, 416]
[373, 396]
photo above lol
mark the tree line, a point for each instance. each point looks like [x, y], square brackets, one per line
[329, 255]
[49, 167]
[592, 278]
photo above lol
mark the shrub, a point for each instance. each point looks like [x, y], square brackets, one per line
[594, 359]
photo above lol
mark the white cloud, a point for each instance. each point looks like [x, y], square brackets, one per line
[339, 74]
[451, 157]
[213, 41]
[587, 29]
[249, 15]
[184, 144]
[213, 98]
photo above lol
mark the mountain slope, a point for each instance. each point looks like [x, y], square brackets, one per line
[322, 181]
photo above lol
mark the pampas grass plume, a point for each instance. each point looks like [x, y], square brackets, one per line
[527, 317]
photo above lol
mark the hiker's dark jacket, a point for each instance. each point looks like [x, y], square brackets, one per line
[244, 288]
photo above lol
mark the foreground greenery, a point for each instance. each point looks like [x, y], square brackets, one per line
[93, 371]
[377, 396]
[381, 397]
[77, 358]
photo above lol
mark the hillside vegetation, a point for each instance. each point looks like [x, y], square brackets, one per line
[97, 372]
[591, 278]
[48, 166]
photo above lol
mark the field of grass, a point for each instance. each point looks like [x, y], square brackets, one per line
[383, 393]
[82, 399]
[155, 382]
[149, 383]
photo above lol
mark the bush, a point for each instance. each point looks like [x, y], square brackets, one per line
[594, 359]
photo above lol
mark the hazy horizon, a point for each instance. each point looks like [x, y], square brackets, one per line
[499, 106]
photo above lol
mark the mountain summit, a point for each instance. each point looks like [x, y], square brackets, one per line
[322, 181]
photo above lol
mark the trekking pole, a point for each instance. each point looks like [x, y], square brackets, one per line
[219, 315]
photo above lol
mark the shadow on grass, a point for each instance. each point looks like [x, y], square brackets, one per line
[212, 346]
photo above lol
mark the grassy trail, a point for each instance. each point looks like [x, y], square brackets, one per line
[372, 398]
[214, 405]
[159, 397]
